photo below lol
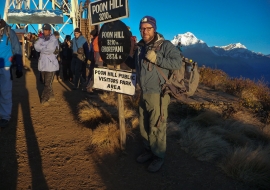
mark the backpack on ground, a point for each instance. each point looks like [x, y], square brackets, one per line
[181, 83]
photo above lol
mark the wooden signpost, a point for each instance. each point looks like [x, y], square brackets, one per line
[114, 48]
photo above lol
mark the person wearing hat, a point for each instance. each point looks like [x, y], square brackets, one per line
[39, 32]
[80, 56]
[66, 57]
[97, 61]
[57, 73]
[153, 50]
[90, 79]
[47, 45]
[10, 52]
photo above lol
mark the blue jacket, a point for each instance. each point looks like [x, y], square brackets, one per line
[168, 58]
[10, 48]
[80, 42]
[47, 60]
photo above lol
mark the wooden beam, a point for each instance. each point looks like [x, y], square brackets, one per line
[121, 115]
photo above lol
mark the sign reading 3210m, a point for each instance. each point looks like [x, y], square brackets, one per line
[108, 10]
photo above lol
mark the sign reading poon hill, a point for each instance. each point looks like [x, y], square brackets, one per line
[108, 10]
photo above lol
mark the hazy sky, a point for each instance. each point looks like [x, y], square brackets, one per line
[217, 23]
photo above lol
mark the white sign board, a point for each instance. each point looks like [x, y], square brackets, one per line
[116, 81]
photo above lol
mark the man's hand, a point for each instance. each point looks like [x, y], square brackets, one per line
[151, 56]
[19, 74]
[88, 62]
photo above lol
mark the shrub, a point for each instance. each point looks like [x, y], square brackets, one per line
[213, 78]
[106, 136]
[242, 151]
[253, 95]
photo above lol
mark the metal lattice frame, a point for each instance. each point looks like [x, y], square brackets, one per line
[71, 10]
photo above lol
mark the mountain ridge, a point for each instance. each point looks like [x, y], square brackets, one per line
[235, 59]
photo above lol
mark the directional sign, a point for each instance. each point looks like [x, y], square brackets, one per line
[107, 11]
[114, 42]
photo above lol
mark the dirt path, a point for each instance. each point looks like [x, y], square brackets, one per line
[47, 148]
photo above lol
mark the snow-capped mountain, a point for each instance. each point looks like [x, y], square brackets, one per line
[235, 59]
[233, 46]
[235, 50]
[34, 16]
[187, 39]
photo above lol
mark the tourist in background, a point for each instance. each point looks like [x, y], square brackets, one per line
[10, 52]
[66, 57]
[80, 55]
[57, 73]
[48, 47]
[98, 62]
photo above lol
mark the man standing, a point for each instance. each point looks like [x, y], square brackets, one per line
[80, 56]
[66, 57]
[10, 51]
[96, 60]
[58, 57]
[48, 47]
[153, 51]
[90, 79]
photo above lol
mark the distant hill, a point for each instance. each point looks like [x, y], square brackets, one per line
[234, 59]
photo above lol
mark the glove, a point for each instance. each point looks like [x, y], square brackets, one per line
[88, 62]
[19, 74]
[151, 56]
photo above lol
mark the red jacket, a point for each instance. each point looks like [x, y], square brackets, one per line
[96, 48]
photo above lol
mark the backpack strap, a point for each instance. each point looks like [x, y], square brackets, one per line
[156, 47]
[76, 44]
[161, 72]
[8, 34]
[161, 117]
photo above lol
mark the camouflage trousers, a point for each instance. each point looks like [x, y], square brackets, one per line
[47, 78]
